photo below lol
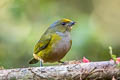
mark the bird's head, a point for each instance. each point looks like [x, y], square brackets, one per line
[62, 25]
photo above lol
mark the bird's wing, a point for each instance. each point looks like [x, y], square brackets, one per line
[46, 40]
[42, 43]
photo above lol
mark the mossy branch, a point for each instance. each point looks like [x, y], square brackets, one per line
[82, 71]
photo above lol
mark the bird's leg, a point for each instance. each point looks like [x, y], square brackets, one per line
[41, 63]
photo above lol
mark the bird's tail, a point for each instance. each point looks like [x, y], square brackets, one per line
[33, 61]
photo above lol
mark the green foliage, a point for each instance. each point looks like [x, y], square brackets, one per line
[113, 56]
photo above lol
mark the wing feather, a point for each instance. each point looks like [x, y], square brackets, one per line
[42, 43]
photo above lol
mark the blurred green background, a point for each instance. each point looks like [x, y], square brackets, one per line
[22, 22]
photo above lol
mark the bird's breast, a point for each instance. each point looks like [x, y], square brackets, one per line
[61, 47]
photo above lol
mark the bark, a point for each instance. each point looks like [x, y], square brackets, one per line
[91, 71]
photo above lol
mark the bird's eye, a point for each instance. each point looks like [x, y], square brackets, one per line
[63, 23]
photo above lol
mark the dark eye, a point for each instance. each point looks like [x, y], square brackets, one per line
[63, 23]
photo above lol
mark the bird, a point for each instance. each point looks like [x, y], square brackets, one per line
[55, 43]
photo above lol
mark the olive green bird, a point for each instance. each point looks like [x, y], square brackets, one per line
[54, 43]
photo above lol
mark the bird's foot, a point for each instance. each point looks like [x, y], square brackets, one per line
[61, 62]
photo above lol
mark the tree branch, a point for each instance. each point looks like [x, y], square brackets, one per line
[82, 71]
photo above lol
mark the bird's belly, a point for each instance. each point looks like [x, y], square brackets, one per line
[59, 50]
